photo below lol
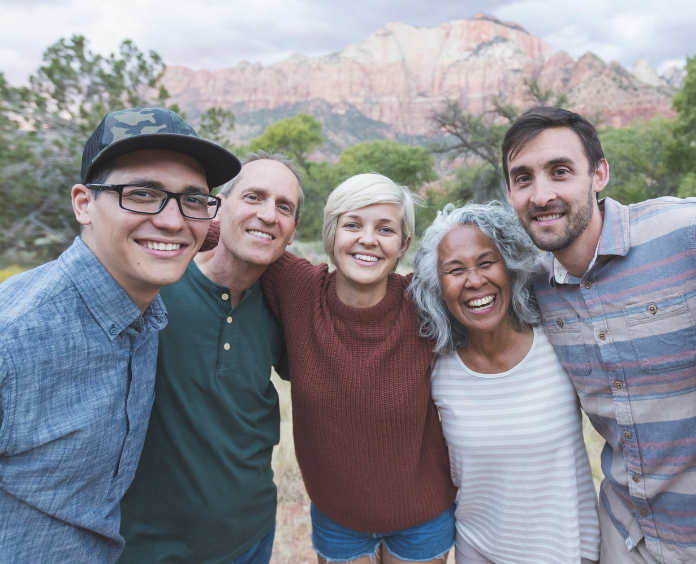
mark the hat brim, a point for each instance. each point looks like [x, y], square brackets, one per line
[219, 164]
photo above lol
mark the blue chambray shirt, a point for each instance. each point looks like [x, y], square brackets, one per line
[77, 375]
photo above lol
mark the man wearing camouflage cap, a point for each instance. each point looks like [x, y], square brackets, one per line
[78, 336]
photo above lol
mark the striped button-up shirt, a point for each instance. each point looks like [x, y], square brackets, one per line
[625, 332]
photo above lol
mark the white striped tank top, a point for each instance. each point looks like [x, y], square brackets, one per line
[518, 457]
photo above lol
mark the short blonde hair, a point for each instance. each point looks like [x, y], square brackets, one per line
[364, 190]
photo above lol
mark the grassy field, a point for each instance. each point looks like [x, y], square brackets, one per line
[292, 543]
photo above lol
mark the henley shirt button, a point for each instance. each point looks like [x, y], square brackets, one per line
[229, 319]
[559, 322]
[643, 513]
[618, 385]
[652, 308]
[588, 284]
[627, 435]
[226, 346]
[602, 336]
[636, 479]
[225, 297]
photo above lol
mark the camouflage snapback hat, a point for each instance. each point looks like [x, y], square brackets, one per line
[137, 129]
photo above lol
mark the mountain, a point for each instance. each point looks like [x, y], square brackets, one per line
[390, 83]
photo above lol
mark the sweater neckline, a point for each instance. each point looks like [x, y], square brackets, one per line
[377, 311]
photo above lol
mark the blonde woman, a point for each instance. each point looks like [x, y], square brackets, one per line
[367, 435]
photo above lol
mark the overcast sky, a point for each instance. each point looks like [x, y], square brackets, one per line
[215, 34]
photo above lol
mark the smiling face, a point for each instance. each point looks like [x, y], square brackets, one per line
[552, 189]
[143, 252]
[257, 219]
[474, 279]
[367, 245]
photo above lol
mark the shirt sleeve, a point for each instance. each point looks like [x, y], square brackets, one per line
[285, 277]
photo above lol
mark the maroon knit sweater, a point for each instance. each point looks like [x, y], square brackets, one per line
[367, 434]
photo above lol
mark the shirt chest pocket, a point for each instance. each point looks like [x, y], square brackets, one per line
[565, 334]
[662, 333]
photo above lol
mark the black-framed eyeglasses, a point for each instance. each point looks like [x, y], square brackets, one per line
[148, 200]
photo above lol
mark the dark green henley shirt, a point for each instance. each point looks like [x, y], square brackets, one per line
[203, 491]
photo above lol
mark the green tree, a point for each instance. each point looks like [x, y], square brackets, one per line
[475, 137]
[297, 136]
[405, 164]
[215, 126]
[681, 153]
[638, 163]
[43, 129]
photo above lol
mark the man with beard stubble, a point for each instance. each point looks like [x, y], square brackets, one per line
[618, 301]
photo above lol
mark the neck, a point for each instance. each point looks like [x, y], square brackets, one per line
[141, 293]
[228, 271]
[577, 257]
[360, 295]
[495, 343]
[496, 351]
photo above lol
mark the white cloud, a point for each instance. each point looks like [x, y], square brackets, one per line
[218, 33]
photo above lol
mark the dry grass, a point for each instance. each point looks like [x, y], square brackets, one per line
[5, 273]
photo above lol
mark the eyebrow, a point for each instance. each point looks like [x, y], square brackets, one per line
[457, 261]
[156, 184]
[549, 164]
[281, 198]
[382, 220]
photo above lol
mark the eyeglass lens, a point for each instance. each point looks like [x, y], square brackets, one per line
[149, 200]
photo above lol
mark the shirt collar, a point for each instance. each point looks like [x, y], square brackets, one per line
[111, 306]
[614, 240]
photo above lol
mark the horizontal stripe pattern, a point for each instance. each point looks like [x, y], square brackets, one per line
[518, 458]
[626, 334]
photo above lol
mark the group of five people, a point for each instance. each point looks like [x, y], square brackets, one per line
[430, 411]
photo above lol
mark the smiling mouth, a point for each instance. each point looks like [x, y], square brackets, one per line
[366, 258]
[481, 304]
[549, 217]
[155, 246]
[260, 234]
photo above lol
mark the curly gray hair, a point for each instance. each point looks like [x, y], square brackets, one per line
[521, 260]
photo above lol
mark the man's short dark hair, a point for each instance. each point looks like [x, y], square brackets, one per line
[100, 173]
[535, 120]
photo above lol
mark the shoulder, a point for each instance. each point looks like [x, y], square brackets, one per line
[291, 271]
[24, 295]
[668, 219]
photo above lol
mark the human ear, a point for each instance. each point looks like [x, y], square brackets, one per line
[294, 232]
[404, 247]
[81, 198]
[601, 176]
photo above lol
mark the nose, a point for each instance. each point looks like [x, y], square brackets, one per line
[367, 238]
[267, 212]
[170, 218]
[474, 279]
[543, 192]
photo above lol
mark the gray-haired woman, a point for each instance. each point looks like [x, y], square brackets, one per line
[509, 412]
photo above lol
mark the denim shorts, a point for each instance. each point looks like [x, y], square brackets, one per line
[427, 541]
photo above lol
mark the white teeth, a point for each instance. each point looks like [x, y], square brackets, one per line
[367, 258]
[548, 217]
[162, 246]
[261, 234]
[480, 302]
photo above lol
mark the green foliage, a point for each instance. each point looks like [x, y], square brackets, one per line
[638, 167]
[543, 97]
[215, 126]
[477, 137]
[297, 136]
[687, 186]
[319, 181]
[43, 129]
[681, 154]
[404, 164]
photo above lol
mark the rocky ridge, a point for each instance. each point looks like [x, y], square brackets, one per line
[401, 73]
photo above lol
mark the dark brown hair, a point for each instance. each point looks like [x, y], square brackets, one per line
[535, 120]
